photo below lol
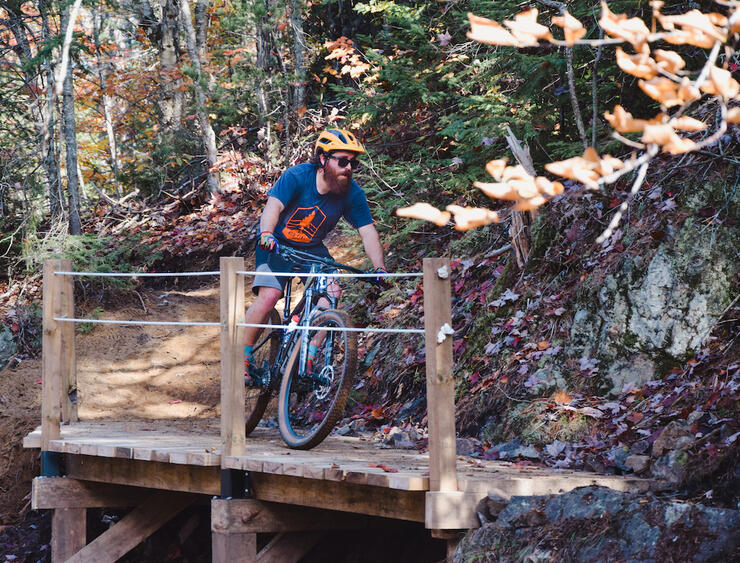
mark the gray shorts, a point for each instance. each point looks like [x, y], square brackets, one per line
[268, 262]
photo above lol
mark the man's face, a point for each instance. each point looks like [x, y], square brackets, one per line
[337, 177]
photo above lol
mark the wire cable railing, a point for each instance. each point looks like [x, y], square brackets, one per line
[291, 326]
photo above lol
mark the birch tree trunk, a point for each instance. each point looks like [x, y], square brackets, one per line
[107, 104]
[164, 34]
[264, 80]
[299, 54]
[69, 132]
[172, 91]
[209, 137]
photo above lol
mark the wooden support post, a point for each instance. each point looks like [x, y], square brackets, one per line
[233, 435]
[233, 548]
[53, 360]
[69, 378]
[440, 385]
[68, 532]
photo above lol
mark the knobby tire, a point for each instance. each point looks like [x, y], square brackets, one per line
[256, 399]
[304, 417]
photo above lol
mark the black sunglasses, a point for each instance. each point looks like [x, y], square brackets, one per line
[343, 161]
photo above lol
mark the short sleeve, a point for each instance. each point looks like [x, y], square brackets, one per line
[358, 211]
[285, 188]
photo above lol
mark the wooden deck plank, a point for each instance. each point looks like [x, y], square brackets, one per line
[337, 459]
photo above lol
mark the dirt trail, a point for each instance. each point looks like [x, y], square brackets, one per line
[128, 372]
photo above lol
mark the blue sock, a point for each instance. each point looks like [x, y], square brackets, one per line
[249, 352]
[312, 349]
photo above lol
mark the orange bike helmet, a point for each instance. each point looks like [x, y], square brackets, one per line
[338, 140]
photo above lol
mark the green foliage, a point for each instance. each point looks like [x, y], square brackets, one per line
[87, 328]
[89, 253]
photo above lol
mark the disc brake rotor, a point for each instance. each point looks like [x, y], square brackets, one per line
[326, 378]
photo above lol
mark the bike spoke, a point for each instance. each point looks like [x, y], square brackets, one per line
[310, 404]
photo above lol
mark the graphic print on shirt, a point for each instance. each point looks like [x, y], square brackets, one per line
[303, 224]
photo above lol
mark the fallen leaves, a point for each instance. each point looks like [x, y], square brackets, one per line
[386, 468]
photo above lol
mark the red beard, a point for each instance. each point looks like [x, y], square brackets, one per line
[338, 182]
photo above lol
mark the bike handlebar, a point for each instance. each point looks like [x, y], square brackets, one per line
[300, 257]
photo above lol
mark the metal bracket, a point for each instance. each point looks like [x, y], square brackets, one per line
[51, 464]
[234, 484]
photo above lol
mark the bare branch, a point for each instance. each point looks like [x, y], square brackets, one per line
[625, 204]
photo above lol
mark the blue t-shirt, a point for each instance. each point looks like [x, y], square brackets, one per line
[308, 216]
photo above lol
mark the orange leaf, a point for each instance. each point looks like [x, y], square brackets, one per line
[562, 398]
[721, 83]
[543, 345]
[573, 28]
[425, 212]
[469, 217]
[490, 32]
[733, 115]
[639, 65]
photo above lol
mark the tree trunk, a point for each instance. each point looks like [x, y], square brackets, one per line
[41, 109]
[264, 80]
[70, 141]
[299, 54]
[107, 104]
[169, 51]
[49, 153]
[520, 220]
[201, 27]
[209, 137]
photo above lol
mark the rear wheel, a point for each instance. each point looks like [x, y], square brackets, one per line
[310, 405]
[258, 393]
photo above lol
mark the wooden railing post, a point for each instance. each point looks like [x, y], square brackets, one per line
[69, 376]
[53, 364]
[232, 358]
[440, 385]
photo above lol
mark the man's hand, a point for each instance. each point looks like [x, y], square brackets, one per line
[268, 241]
[383, 278]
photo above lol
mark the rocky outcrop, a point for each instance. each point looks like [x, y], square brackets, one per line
[593, 524]
[659, 308]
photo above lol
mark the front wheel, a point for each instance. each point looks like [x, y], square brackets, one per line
[309, 404]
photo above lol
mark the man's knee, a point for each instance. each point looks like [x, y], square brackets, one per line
[267, 297]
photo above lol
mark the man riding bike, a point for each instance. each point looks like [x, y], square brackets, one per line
[302, 208]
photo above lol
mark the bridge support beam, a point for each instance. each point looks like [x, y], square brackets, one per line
[235, 524]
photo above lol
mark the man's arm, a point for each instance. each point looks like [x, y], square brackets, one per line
[371, 242]
[271, 214]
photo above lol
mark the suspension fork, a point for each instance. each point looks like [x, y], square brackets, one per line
[305, 321]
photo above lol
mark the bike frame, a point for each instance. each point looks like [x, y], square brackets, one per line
[316, 287]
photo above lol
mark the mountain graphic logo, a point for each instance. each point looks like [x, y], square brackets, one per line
[304, 224]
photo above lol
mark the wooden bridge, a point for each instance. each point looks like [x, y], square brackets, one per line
[262, 486]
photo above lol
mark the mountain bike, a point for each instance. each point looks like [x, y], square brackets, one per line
[309, 401]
